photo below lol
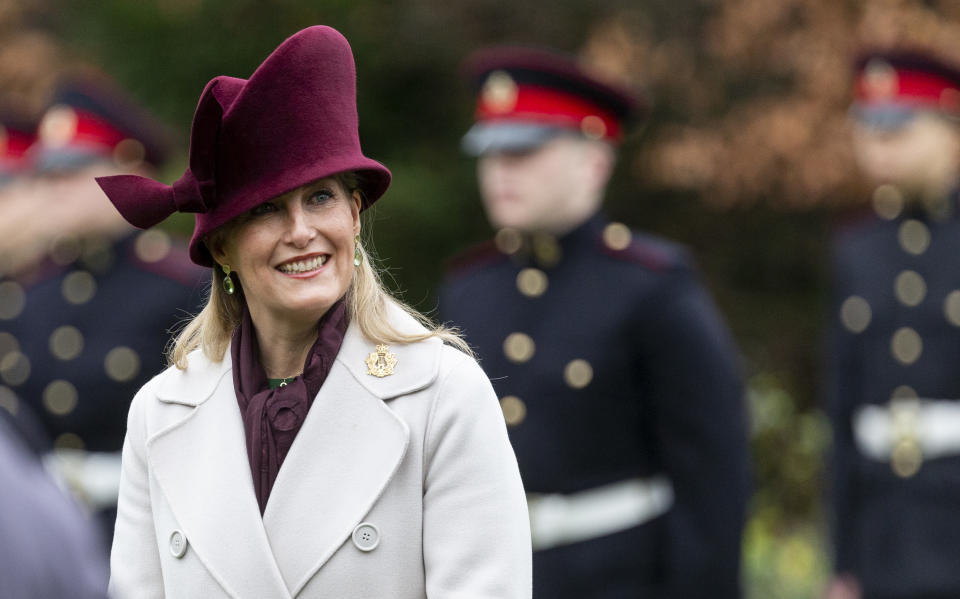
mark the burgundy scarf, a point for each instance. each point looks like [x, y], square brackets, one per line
[273, 417]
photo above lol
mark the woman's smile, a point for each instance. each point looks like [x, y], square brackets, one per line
[303, 267]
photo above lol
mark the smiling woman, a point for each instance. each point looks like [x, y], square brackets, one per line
[313, 436]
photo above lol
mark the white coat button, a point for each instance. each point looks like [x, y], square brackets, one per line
[178, 544]
[366, 536]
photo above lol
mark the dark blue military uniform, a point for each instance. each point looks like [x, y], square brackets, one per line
[79, 338]
[612, 363]
[91, 332]
[895, 347]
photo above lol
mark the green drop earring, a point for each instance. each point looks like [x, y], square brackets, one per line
[357, 256]
[227, 281]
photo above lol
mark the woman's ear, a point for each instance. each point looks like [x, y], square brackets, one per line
[355, 209]
[214, 245]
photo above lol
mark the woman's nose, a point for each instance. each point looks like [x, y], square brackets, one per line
[300, 231]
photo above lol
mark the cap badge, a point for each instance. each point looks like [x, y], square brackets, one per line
[880, 81]
[380, 363]
[499, 94]
[58, 127]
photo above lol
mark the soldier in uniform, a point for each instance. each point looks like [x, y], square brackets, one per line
[17, 135]
[894, 384]
[618, 380]
[86, 304]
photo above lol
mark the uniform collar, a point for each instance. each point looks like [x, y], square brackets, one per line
[948, 209]
[546, 250]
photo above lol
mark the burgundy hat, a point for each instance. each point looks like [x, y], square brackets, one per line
[527, 95]
[294, 121]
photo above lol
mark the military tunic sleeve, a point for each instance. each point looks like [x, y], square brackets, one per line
[842, 377]
[689, 364]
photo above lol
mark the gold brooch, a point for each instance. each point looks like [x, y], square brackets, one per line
[380, 363]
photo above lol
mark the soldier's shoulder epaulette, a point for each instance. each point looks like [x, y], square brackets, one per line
[157, 253]
[854, 223]
[474, 257]
[650, 251]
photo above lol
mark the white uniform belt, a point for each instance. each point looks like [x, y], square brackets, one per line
[557, 519]
[93, 476]
[933, 425]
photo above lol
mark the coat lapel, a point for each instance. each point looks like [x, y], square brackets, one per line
[349, 448]
[201, 465]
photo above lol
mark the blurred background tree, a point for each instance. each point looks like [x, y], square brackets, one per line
[746, 157]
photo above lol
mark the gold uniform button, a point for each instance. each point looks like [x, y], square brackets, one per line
[855, 314]
[617, 236]
[903, 392]
[518, 347]
[79, 287]
[508, 241]
[547, 250]
[951, 308]
[578, 374]
[152, 245]
[914, 237]
[887, 201]
[906, 458]
[15, 368]
[60, 398]
[8, 343]
[97, 255]
[69, 441]
[66, 342]
[906, 346]
[12, 300]
[8, 400]
[514, 410]
[532, 282]
[65, 250]
[122, 364]
[910, 288]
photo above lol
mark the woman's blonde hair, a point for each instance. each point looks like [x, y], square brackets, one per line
[367, 301]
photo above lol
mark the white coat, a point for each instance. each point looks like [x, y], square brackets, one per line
[422, 455]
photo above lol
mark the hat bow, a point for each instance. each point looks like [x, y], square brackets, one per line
[145, 202]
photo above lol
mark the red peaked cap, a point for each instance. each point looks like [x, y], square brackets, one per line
[907, 77]
[294, 121]
[525, 90]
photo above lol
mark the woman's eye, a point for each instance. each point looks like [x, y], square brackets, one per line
[320, 197]
[264, 208]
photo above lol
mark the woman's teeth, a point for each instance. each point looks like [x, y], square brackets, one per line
[303, 265]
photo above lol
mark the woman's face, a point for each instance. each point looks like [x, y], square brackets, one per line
[293, 254]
